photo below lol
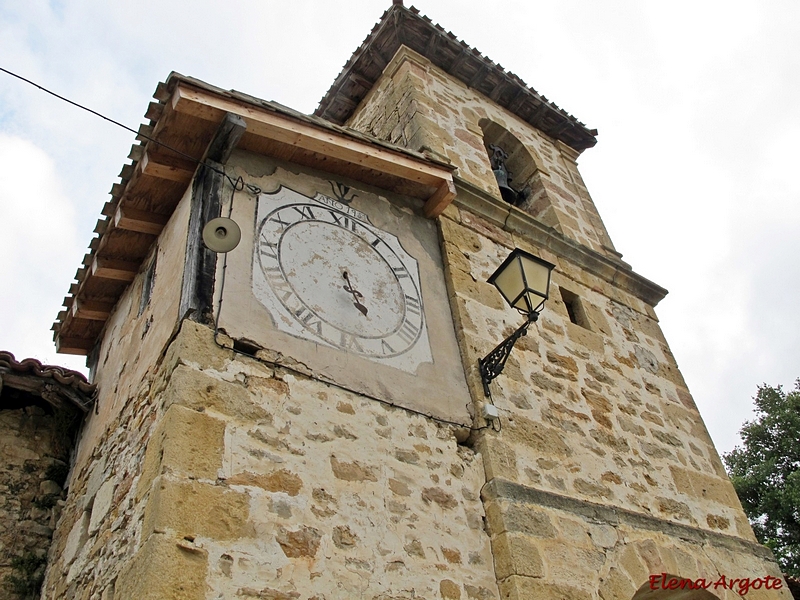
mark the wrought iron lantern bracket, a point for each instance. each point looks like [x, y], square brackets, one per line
[493, 363]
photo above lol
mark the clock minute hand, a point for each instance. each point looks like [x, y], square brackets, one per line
[356, 294]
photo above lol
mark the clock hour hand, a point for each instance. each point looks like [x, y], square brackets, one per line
[356, 294]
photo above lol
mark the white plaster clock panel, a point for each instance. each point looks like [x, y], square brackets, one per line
[347, 283]
[328, 275]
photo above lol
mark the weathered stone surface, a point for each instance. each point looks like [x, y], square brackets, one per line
[449, 590]
[676, 509]
[699, 485]
[32, 444]
[186, 442]
[163, 570]
[465, 284]
[630, 426]
[523, 588]
[439, 496]
[541, 438]
[616, 585]
[267, 594]
[352, 471]
[343, 537]
[194, 346]
[301, 543]
[633, 565]
[499, 459]
[452, 556]
[516, 554]
[517, 517]
[196, 509]
[76, 538]
[591, 489]
[199, 391]
[717, 522]
[281, 480]
[101, 505]
[588, 339]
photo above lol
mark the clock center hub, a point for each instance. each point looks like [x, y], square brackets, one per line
[313, 258]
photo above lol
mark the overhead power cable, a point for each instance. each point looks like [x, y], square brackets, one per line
[238, 185]
[239, 182]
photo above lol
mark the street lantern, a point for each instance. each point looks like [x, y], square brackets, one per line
[523, 280]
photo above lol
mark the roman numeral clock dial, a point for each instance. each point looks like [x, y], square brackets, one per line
[327, 275]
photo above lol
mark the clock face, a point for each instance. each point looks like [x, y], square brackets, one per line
[326, 274]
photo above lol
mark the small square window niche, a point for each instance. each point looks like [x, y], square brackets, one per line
[575, 310]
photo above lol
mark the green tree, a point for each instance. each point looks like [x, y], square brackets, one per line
[765, 472]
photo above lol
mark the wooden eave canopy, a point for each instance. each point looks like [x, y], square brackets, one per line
[405, 26]
[183, 122]
[56, 385]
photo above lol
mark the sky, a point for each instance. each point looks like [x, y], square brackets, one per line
[694, 172]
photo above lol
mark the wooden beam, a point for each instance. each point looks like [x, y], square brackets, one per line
[91, 310]
[140, 221]
[200, 263]
[275, 126]
[466, 52]
[167, 167]
[359, 79]
[440, 200]
[228, 134]
[119, 270]
[71, 345]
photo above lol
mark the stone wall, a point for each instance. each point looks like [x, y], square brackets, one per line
[601, 454]
[137, 332]
[97, 529]
[417, 105]
[600, 471]
[267, 484]
[209, 473]
[32, 470]
[597, 411]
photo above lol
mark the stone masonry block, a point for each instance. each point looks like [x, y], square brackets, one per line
[516, 554]
[185, 442]
[76, 539]
[101, 506]
[702, 486]
[194, 345]
[616, 585]
[499, 459]
[589, 339]
[518, 517]
[546, 440]
[517, 587]
[196, 509]
[199, 391]
[460, 236]
[456, 260]
[164, 570]
[633, 565]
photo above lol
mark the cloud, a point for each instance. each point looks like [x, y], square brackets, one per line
[693, 173]
[39, 247]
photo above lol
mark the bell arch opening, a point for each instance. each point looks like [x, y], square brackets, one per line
[513, 165]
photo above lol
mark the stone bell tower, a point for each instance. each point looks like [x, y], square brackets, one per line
[301, 416]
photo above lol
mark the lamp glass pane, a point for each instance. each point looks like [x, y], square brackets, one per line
[537, 276]
[510, 282]
[535, 300]
[523, 303]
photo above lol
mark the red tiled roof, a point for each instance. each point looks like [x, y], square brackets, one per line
[405, 26]
[75, 385]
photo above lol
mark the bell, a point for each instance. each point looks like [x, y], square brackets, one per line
[506, 191]
[498, 159]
